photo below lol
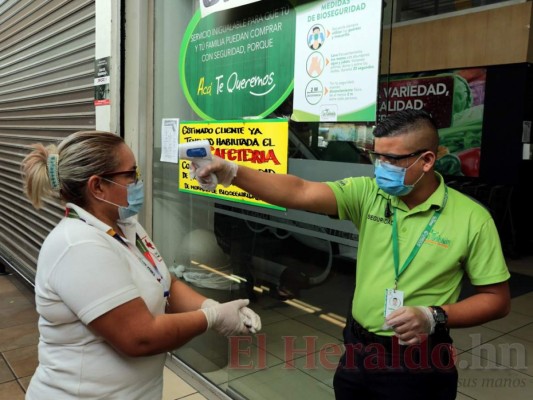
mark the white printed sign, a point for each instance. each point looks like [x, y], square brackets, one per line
[336, 64]
[169, 140]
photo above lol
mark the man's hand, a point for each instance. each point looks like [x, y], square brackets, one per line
[411, 324]
[224, 170]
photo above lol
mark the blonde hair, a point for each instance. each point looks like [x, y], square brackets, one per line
[79, 156]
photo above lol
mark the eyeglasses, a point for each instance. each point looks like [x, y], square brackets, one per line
[133, 174]
[393, 159]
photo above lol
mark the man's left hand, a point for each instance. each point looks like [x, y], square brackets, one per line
[411, 324]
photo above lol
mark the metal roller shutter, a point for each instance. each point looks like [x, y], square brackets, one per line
[47, 51]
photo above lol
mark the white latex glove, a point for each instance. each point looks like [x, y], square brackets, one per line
[410, 323]
[224, 171]
[251, 320]
[209, 303]
[225, 318]
[208, 182]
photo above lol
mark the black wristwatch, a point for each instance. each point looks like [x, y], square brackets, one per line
[440, 317]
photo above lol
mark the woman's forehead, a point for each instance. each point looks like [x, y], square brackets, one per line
[125, 156]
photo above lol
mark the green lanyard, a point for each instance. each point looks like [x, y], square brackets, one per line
[419, 242]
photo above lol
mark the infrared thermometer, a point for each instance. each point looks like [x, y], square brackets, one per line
[199, 154]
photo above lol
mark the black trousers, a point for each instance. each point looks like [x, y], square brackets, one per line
[377, 367]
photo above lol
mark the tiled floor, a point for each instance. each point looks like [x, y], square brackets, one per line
[18, 345]
[495, 360]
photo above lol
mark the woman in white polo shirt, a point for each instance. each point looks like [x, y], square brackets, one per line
[109, 309]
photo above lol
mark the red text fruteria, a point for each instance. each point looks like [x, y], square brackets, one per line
[248, 155]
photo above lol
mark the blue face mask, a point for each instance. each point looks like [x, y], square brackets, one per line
[390, 178]
[135, 199]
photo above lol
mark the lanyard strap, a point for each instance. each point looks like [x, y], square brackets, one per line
[151, 265]
[148, 256]
[395, 247]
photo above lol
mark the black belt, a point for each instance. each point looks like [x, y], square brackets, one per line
[368, 337]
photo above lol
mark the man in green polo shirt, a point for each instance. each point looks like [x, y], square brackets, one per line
[417, 238]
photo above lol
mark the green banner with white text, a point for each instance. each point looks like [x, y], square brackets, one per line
[238, 63]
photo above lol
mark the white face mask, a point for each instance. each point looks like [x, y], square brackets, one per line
[135, 199]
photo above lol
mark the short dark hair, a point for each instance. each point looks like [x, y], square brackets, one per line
[402, 121]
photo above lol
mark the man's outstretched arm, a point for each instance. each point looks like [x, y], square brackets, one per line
[283, 190]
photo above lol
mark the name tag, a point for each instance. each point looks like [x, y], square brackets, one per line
[393, 300]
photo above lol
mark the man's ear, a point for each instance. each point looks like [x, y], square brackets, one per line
[94, 186]
[429, 160]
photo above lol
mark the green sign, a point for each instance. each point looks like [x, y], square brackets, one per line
[239, 63]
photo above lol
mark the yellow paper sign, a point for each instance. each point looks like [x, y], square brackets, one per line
[257, 144]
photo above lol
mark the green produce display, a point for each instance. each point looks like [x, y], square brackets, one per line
[449, 164]
[458, 138]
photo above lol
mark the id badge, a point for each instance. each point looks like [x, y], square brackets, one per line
[152, 249]
[393, 300]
